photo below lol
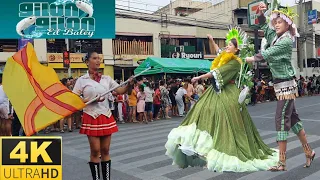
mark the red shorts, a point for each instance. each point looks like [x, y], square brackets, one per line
[101, 126]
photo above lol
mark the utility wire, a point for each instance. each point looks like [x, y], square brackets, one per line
[147, 4]
[180, 18]
[176, 21]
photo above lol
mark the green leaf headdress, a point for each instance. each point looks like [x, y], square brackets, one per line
[240, 36]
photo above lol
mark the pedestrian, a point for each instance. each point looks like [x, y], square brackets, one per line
[98, 122]
[165, 99]
[132, 102]
[6, 115]
[149, 101]
[111, 100]
[199, 89]
[67, 119]
[141, 105]
[156, 101]
[181, 93]
[120, 102]
[280, 34]
[172, 93]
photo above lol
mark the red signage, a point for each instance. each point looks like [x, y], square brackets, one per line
[66, 59]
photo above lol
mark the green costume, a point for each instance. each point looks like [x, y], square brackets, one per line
[220, 131]
[278, 56]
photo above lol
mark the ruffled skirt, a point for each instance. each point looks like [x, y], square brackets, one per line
[219, 134]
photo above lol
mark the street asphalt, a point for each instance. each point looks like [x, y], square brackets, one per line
[138, 153]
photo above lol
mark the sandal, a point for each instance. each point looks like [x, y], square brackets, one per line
[281, 164]
[310, 154]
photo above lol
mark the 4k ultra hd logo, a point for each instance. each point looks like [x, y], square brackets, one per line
[73, 19]
[31, 158]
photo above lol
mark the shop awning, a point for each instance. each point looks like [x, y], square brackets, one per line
[173, 65]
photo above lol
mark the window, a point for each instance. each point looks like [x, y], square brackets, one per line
[8, 45]
[75, 45]
[240, 20]
[85, 45]
[56, 45]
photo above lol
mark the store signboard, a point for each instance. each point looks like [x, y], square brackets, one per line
[74, 57]
[312, 16]
[253, 10]
[184, 55]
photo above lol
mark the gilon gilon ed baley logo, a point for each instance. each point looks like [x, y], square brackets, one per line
[63, 17]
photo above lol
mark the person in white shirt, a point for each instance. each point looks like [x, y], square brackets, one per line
[149, 101]
[5, 113]
[182, 92]
[98, 123]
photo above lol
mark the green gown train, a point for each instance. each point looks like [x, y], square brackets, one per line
[220, 131]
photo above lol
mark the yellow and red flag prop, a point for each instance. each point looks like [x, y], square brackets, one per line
[36, 93]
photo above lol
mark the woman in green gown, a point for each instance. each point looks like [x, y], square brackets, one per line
[218, 132]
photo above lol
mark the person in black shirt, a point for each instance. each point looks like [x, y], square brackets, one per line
[172, 94]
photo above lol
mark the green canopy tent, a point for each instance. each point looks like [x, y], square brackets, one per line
[173, 65]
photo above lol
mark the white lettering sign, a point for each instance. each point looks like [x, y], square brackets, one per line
[191, 56]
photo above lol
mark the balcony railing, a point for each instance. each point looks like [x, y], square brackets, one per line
[132, 47]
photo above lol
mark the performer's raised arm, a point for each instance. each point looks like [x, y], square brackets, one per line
[269, 33]
[213, 46]
[221, 75]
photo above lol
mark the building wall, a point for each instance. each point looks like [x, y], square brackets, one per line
[40, 47]
[139, 26]
[170, 8]
[108, 57]
[222, 12]
[216, 33]
[5, 55]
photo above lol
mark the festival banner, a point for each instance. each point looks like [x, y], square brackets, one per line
[58, 19]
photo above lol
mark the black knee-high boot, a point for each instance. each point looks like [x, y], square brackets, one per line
[95, 170]
[106, 170]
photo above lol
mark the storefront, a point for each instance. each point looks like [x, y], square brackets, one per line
[124, 65]
[78, 68]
